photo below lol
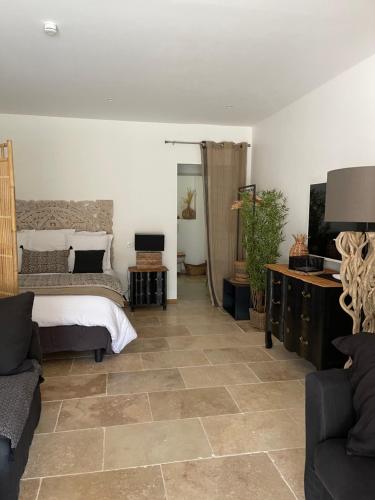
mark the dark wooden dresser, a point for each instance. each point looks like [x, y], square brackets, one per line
[304, 313]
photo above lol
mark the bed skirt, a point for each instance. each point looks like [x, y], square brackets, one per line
[75, 338]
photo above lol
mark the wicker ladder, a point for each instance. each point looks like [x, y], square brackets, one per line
[8, 229]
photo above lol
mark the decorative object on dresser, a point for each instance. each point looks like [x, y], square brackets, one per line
[148, 286]
[299, 247]
[304, 313]
[350, 198]
[236, 299]
[8, 243]
[263, 232]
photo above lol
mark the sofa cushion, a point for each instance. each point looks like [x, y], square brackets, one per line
[15, 332]
[361, 348]
[345, 477]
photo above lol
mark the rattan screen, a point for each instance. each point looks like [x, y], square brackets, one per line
[8, 236]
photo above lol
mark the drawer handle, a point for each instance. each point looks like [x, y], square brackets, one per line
[303, 341]
[276, 302]
[289, 287]
[306, 295]
[276, 282]
[273, 322]
[305, 318]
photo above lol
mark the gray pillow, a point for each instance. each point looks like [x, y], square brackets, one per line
[55, 261]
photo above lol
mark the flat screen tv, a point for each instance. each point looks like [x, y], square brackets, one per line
[322, 234]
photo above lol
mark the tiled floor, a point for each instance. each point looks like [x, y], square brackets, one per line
[196, 408]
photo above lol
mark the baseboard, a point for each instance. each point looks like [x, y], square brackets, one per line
[172, 301]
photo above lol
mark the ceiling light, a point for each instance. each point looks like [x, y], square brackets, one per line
[228, 106]
[108, 99]
[50, 28]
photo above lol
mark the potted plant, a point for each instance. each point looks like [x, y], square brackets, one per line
[263, 232]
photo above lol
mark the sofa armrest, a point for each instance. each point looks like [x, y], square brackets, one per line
[329, 407]
[35, 351]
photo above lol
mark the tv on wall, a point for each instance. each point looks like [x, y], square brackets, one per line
[322, 234]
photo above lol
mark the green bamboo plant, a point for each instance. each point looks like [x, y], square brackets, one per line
[263, 232]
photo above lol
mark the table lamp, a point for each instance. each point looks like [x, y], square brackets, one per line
[350, 198]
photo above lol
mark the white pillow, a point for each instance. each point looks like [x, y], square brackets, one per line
[23, 239]
[50, 239]
[86, 242]
[90, 233]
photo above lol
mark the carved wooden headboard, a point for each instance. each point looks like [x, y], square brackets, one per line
[81, 215]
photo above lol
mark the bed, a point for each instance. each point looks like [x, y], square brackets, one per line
[75, 311]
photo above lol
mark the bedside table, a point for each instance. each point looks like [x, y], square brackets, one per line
[148, 286]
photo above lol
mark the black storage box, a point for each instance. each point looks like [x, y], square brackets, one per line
[306, 263]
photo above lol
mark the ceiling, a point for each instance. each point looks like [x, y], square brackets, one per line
[181, 61]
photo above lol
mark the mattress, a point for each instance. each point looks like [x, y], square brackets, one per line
[58, 303]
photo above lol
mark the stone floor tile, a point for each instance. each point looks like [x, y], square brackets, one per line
[291, 369]
[236, 355]
[189, 403]
[163, 331]
[268, 396]
[111, 363]
[251, 477]
[29, 489]
[146, 381]
[56, 367]
[73, 386]
[253, 432]
[142, 483]
[146, 345]
[104, 411]
[213, 329]
[291, 464]
[65, 453]
[154, 443]
[173, 359]
[48, 416]
[217, 375]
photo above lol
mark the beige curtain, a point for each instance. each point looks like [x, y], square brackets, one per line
[224, 170]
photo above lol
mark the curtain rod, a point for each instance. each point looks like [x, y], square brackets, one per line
[202, 143]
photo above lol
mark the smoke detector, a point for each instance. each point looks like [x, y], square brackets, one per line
[50, 28]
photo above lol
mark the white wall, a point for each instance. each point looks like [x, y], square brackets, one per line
[191, 237]
[332, 127]
[79, 159]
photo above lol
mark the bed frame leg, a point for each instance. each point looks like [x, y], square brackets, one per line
[99, 354]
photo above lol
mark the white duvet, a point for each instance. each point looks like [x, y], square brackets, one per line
[85, 310]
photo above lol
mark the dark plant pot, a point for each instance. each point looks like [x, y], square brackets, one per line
[257, 319]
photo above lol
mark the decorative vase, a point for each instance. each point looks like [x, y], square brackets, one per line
[299, 247]
[240, 273]
[189, 213]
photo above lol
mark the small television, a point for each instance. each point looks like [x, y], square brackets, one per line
[322, 234]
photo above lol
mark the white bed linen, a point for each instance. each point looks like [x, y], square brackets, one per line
[85, 310]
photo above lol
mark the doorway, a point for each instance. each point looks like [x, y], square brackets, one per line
[191, 234]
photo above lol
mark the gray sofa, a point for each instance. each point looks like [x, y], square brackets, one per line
[331, 474]
[13, 461]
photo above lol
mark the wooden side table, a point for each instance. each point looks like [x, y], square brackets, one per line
[148, 286]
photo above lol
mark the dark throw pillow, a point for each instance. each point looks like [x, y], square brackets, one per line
[55, 261]
[15, 332]
[361, 348]
[88, 261]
